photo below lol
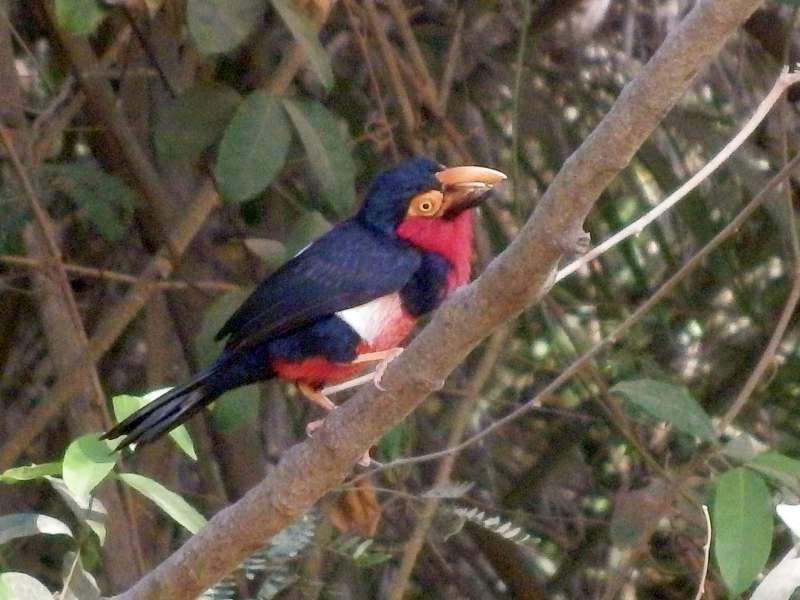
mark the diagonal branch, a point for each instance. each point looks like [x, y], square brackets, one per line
[516, 278]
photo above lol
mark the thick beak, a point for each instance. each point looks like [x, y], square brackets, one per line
[464, 187]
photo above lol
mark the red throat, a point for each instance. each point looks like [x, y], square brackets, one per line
[451, 238]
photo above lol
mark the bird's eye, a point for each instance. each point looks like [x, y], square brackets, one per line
[426, 204]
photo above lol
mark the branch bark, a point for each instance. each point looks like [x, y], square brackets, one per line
[515, 279]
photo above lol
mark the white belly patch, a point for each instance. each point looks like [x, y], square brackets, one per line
[369, 320]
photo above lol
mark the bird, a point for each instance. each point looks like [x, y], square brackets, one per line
[347, 300]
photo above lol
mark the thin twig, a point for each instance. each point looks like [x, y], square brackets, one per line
[212, 286]
[785, 79]
[577, 365]
[390, 61]
[460, 420]
[765, 361]
[706, 552]
[355, 28]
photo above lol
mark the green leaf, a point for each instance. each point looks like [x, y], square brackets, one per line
[30, 472]
[91, 512]
[108, 202]
[125, 405]
[305, 35]
[782, 468]
[18, 586]
[221, 25]
[253, 148]
[190, 123]
[170, 502]
[327, 151]
[19, 525]
[86, 463]
[742, 525]
[80, 17]
[670, 403]
[236, 407]
[206, 347]
[304, 231]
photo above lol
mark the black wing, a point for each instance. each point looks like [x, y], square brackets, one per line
[348, 266]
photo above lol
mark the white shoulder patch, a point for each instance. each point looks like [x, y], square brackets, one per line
[368, 320]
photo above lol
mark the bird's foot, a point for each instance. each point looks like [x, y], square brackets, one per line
[364, 461]
[381, 368]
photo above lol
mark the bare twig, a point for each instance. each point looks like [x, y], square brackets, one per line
[460, 421]
[390, 61]
[111, 326]
[784, 81]
[765, 361]
[114, 276]
[706, 552]
[635, 317]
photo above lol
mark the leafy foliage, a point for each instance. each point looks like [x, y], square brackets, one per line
[292, 109]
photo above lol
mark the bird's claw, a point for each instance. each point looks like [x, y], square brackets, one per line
[381, 368]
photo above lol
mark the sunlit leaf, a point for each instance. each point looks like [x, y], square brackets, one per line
[782, 581]
[670, 403]
[449, 490]
[125, 405]
[30, 472]
[306, 36]
[253, 148]
[18, 586]
[80, 17]
[272, 252]
[327, 151]
[190, 123]
[19, 525]
[91, 512]
[221, 25]
[742, 526]
[170, 502]
[86, 463]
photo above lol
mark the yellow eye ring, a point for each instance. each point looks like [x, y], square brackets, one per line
[426, 204]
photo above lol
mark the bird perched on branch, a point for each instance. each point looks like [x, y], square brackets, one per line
[347, 300]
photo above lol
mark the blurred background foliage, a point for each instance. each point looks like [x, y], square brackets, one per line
[118, 113]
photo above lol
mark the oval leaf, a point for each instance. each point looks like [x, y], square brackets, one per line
[86, 463]
[236, 407]
[190, 123]
[125, 405]
[327, 151]
[80, 17]
[30, 472]
[18, 586]
[170, 502]
[670, 403]
[742, 525]
[253, 148]
[221, 25]
[20, 525]
[305, 35]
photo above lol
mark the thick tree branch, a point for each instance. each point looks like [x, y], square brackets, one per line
[520, 275]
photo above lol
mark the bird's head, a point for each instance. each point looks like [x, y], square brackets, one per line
[421, 189]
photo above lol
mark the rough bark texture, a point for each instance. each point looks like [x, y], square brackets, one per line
[514, 280]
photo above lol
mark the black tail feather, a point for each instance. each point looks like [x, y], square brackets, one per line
[164, 413]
